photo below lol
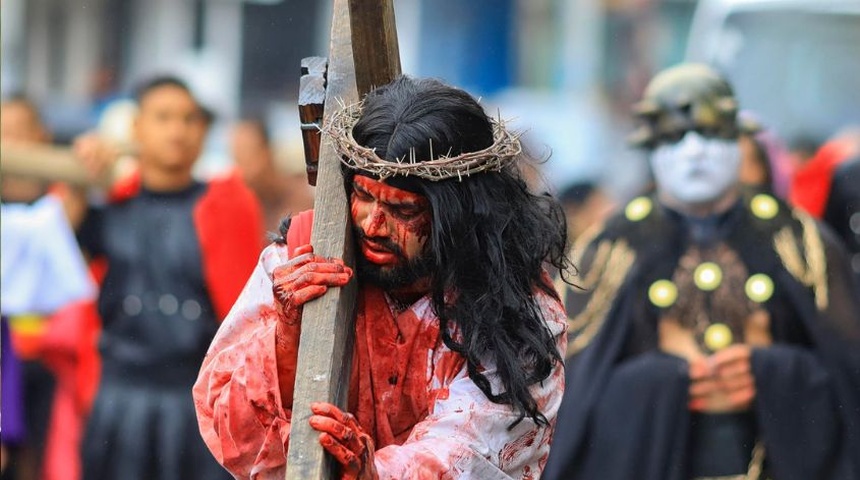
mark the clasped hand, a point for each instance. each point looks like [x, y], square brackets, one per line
[301, 279]
[722, 382]
[344, 439]
[305, 277]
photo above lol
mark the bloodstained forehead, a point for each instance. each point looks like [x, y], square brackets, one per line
[385, 192]
[409, 183]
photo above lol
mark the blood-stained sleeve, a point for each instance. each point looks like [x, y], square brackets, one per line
[237, 395]
[466, 436]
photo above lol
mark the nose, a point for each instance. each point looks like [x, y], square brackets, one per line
[693, 144]
[376, 223]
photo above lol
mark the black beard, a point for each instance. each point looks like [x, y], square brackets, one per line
[404, 274]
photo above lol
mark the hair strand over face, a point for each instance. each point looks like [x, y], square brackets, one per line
[489, 241]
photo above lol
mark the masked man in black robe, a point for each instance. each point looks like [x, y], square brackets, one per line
[716, 333]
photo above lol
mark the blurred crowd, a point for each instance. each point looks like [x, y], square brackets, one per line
[65, 269]
[83, 265]
[55, 346]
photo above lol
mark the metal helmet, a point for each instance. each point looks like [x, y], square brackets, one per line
[687, 97]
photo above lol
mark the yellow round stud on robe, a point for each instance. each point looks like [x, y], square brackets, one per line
[708, 276]
[718, 336]
[663, 293]
[759, 288]
[764, 206]
[638, 209]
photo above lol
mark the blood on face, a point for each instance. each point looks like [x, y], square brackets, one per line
[394, 223]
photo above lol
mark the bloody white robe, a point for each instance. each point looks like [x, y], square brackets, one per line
[409, 391]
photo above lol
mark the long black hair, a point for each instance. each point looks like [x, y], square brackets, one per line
[489, 240]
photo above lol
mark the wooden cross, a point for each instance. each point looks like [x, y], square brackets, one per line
[54, 164]
[363, 54]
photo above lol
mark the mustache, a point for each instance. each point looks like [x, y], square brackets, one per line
[383, 242]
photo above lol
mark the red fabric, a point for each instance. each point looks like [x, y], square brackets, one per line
[388, 387]
[408, 391]
[229, 225]
[125, 188]
[67, 347]
[398, 347]
[299, 232]
[70, 352]
[810, 188]
[27, 345]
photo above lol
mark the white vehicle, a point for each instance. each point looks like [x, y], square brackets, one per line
[795, 63]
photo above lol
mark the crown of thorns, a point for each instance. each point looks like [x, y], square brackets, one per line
[506, 146]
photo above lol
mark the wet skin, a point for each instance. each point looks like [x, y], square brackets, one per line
[392, 224]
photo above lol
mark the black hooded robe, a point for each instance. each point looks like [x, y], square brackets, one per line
[625, 414]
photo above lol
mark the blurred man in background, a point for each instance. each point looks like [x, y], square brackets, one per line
[43, 274]
[280, 194]
[20, 122]
[716, 332]
[843, 208]
[177, 251]
[585, 205]
[766, 164]
[827, 187]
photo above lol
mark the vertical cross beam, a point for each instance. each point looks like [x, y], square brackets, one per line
[374, 43]
[364, 30]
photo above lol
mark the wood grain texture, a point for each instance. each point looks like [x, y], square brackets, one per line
[374, 43]
[312, 85]
[327, 323]
[326, 343]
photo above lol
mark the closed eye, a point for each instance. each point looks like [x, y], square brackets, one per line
[406, 211]
[361, 193]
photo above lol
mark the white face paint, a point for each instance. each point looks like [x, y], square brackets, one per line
[696, 170]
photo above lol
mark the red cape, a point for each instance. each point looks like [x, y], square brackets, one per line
[229, 224]
[810, 188]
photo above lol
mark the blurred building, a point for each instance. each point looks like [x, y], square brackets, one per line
[76, 55]
[794, 63]
[567, 69]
